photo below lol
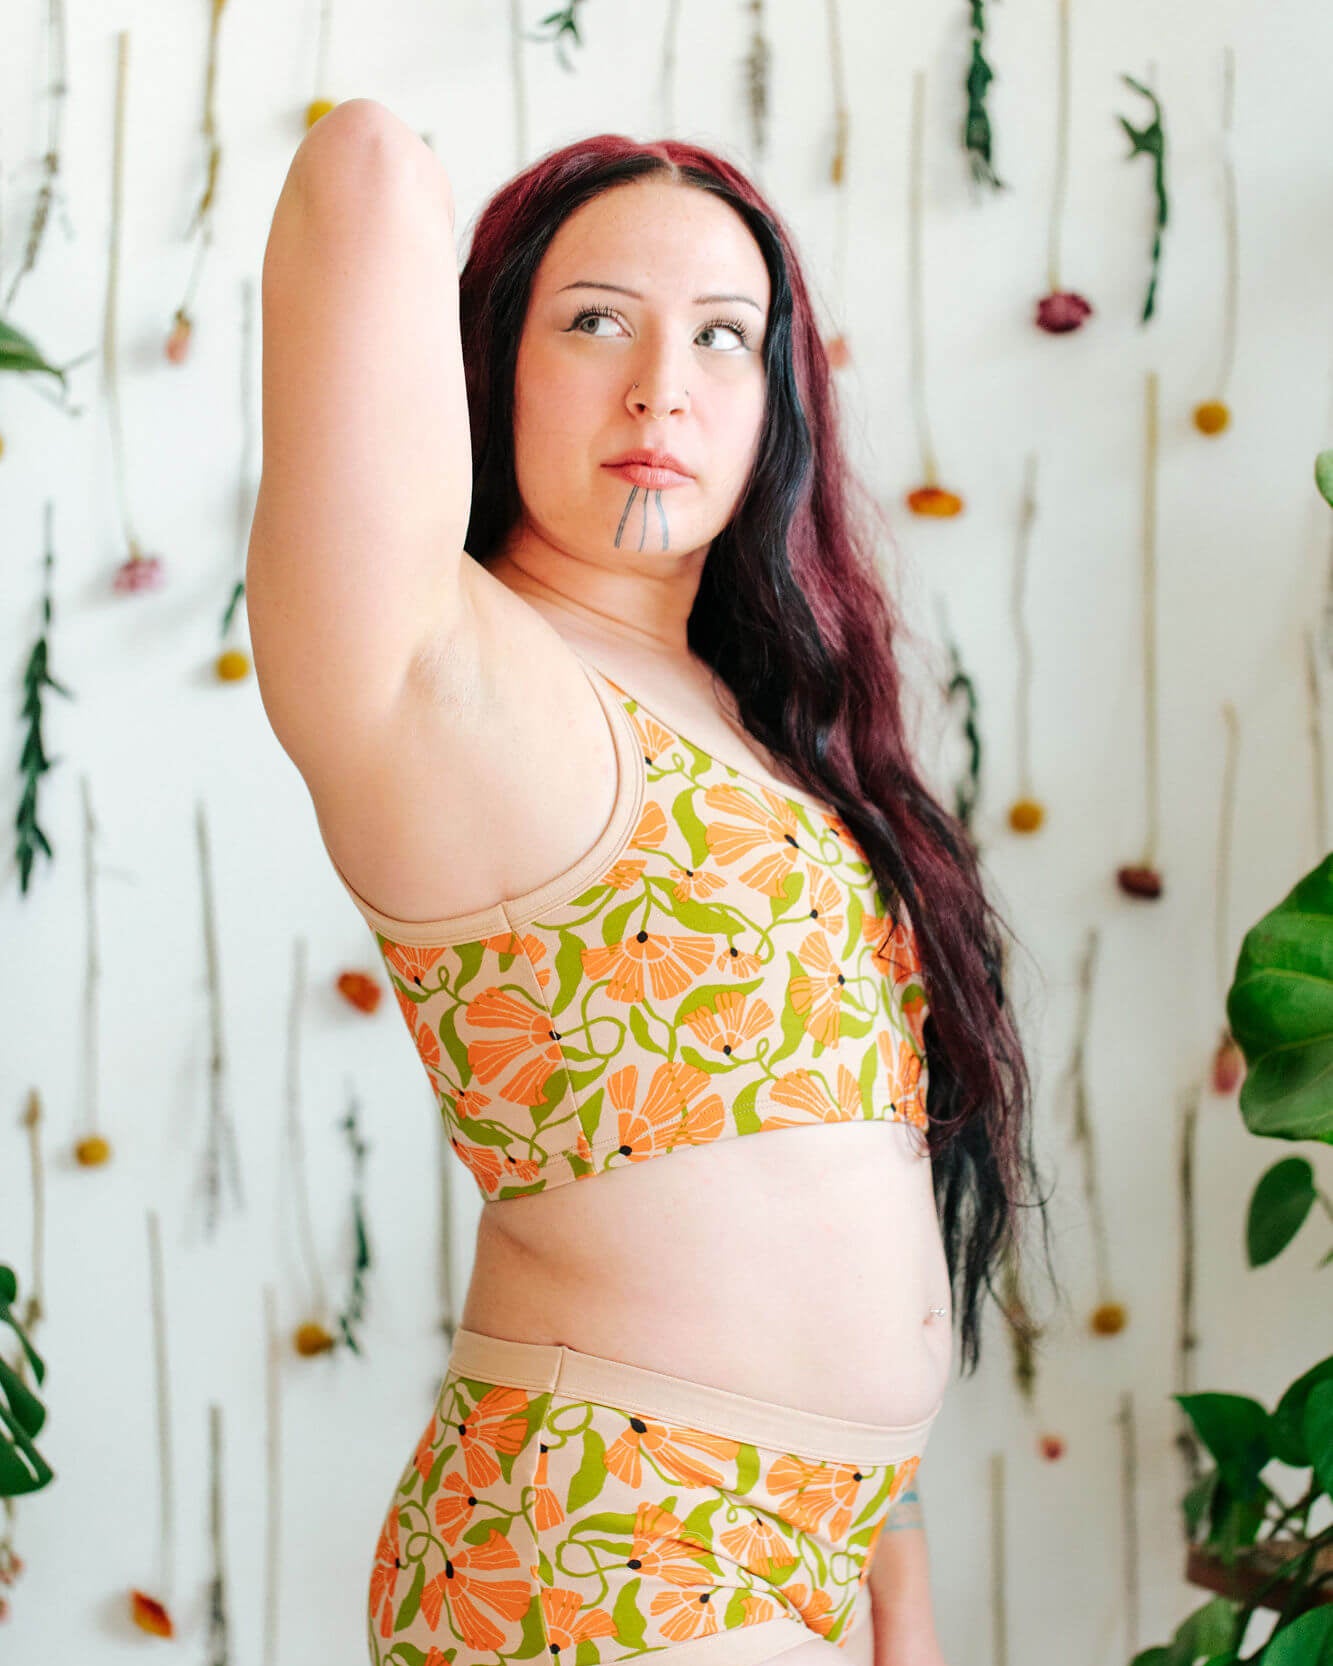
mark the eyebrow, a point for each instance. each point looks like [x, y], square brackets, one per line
[699, 300]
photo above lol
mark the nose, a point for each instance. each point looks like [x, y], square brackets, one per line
[658, 397]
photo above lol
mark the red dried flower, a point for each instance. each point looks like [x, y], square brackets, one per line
[1062, 311]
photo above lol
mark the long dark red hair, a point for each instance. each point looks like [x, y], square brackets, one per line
[793, 616]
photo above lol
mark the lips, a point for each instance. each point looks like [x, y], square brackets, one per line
[642, 475]
[649, 459]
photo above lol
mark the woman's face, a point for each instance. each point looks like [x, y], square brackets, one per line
[690, 336]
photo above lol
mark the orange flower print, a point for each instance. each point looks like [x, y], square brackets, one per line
[564, 1626]
[492, 1168]
[411, 961]
[651, 828]
[654, 738]
[904, 1078]
[531, 1046]
[497, 1423]
[809, 1489]
[666, 1446]
[423, 1459]
[732, 1020]
[687, 1614]
[427, 1042]
[669, 1115]
[693, 883]
[815, 1606]
[808, 1095]
[766, 832]
[453, 1505]
[509, 942]
[817, 997]
[662, 1547]
[384, 1577]
[670, 964]
[547, 1510]
[626, 874]
[738, 963]
[894, 950]
[759, 1546]
[458, 1587]
[827, 901]
[469, 1102]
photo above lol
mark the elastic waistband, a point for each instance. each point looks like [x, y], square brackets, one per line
[550, 1366]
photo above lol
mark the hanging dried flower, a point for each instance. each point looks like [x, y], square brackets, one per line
[1026, 813]
[1212, 416]
[1150, 141]
[316, 108]
[150, 1615]
[1228, 1064]
[138, 572]
[359, 990]
[1141, 881]
[92, 1152]
[233, 665]
[55, 83]
[311, 1338]
[929, 498]
[1060, 310]
[178, 342]
[313, 1335]
[1141, 878]
[1051, 1447]
[977, 126]
[1109, 1319]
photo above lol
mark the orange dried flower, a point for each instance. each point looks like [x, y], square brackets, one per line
[1109, 1319]
[1211, 417]
[92, 1152]
[1051, 1447]
[360, 990]
[839, 353]
[934, 500]
[316, 108]
[1026, 815]
[311, 1338]
[233, 665]
[149, 1615]
[178, 342]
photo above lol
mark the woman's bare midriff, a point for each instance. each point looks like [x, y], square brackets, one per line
[796, 1265]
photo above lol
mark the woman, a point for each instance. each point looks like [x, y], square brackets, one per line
[609, 754]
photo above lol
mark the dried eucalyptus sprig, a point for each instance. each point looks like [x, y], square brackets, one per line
[559, 25]
[56, 89]
[977, 136]
[1150, 141]
[33, 761]
[355, 1307]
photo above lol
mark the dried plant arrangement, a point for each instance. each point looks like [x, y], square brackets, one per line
[178, 341]
[313, 1335]
[33, 761]
[220, 1146]
[321, 104]
[56, 89]
[362, 1261]
[1027, 812]
[1150, 140]
[232, 664]
[1142, 878]
[91, 1148]
[837, 346]
[139, 571]
[1228, 1066]
[1213, 415]
[757, 68]
[929, 498]
[978, 139]
[1060, 310]
[153, 1613]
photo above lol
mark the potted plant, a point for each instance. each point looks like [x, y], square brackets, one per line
[1244, 1543]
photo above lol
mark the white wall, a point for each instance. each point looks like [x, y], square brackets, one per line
[1243, 548]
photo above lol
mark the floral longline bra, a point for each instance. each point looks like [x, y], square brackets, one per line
[720, 963]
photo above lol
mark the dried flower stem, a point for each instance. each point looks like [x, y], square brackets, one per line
[516, 72]
[916, 160]
[221, 1138]
[217, 1585]
[1232, 222]
[92, 982]
[999, 1614]
[57, 88]
[1061, 151]
[757, 71]
[167, 1508]
[273, 1470]
[203, 213]
[247, 489]
[1150, 619]
[1082, 1130]
[109, 360]
[1027, 514]
[33, 761]
[322, 40]
[363, 1262]
[1187, 1341]
[1315, 702]
[296, 1137]
[1225, 829]
[1129, 1482]
[839, 167]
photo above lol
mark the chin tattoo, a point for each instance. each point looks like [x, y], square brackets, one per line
[634, 492]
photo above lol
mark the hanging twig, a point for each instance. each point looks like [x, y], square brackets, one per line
[1142, 879]
[998, 1576]
[273, 1474]
[219, 1652]
[321, 103]
[57, 87]
[1060, 310]
[220, 1142]
[150, 1613]
[1187, 1341]
[1228, 1068]
[354, 1310]
[178, 342]
[1213, 415]
[234, 663]
[1129, 1474]
[91, 1147]
[1314, 703]
[757, 69]
[1027, 813]
[313, 1335]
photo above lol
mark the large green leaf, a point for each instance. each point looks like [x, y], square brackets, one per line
[17, 352]
[1280, 1009]
[1323, 474]
[1281, 1201]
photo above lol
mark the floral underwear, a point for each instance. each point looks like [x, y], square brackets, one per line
[565, 1507]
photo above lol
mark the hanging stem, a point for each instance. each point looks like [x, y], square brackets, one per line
[1150, 619]
[221, 1138]
[1225, 831]
[1187, 1340]
[296, 1138]
[999, 1616]
[1129, 1474]
[1027, 514]
[930, 469]
[1061, 150]
[57, 87]
[1232, 222]
[1314, 702]
[166, 1500]
[273, 1471]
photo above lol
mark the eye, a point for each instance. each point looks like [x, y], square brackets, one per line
[733, 324]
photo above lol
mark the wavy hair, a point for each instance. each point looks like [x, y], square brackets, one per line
[793, 617]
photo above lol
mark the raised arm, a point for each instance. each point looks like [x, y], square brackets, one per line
[357, 540]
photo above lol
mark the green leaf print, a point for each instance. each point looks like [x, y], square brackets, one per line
[630, 1624]
[747, 1469]
[568, 970]
[412, 1601]
[454, 1044]
[407, 1653]
[585, 1653]
[612, 1524]
[743, 1112]
[615, 921]
[793, 1030]
[789, 895]
[866, 1080]
[555, 1090]
[470, 956]
[698, 1525]
[855, 915]
[715, 1065]
[590, 1477]
[682, 814]
[699, 916]
[639, 1029]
